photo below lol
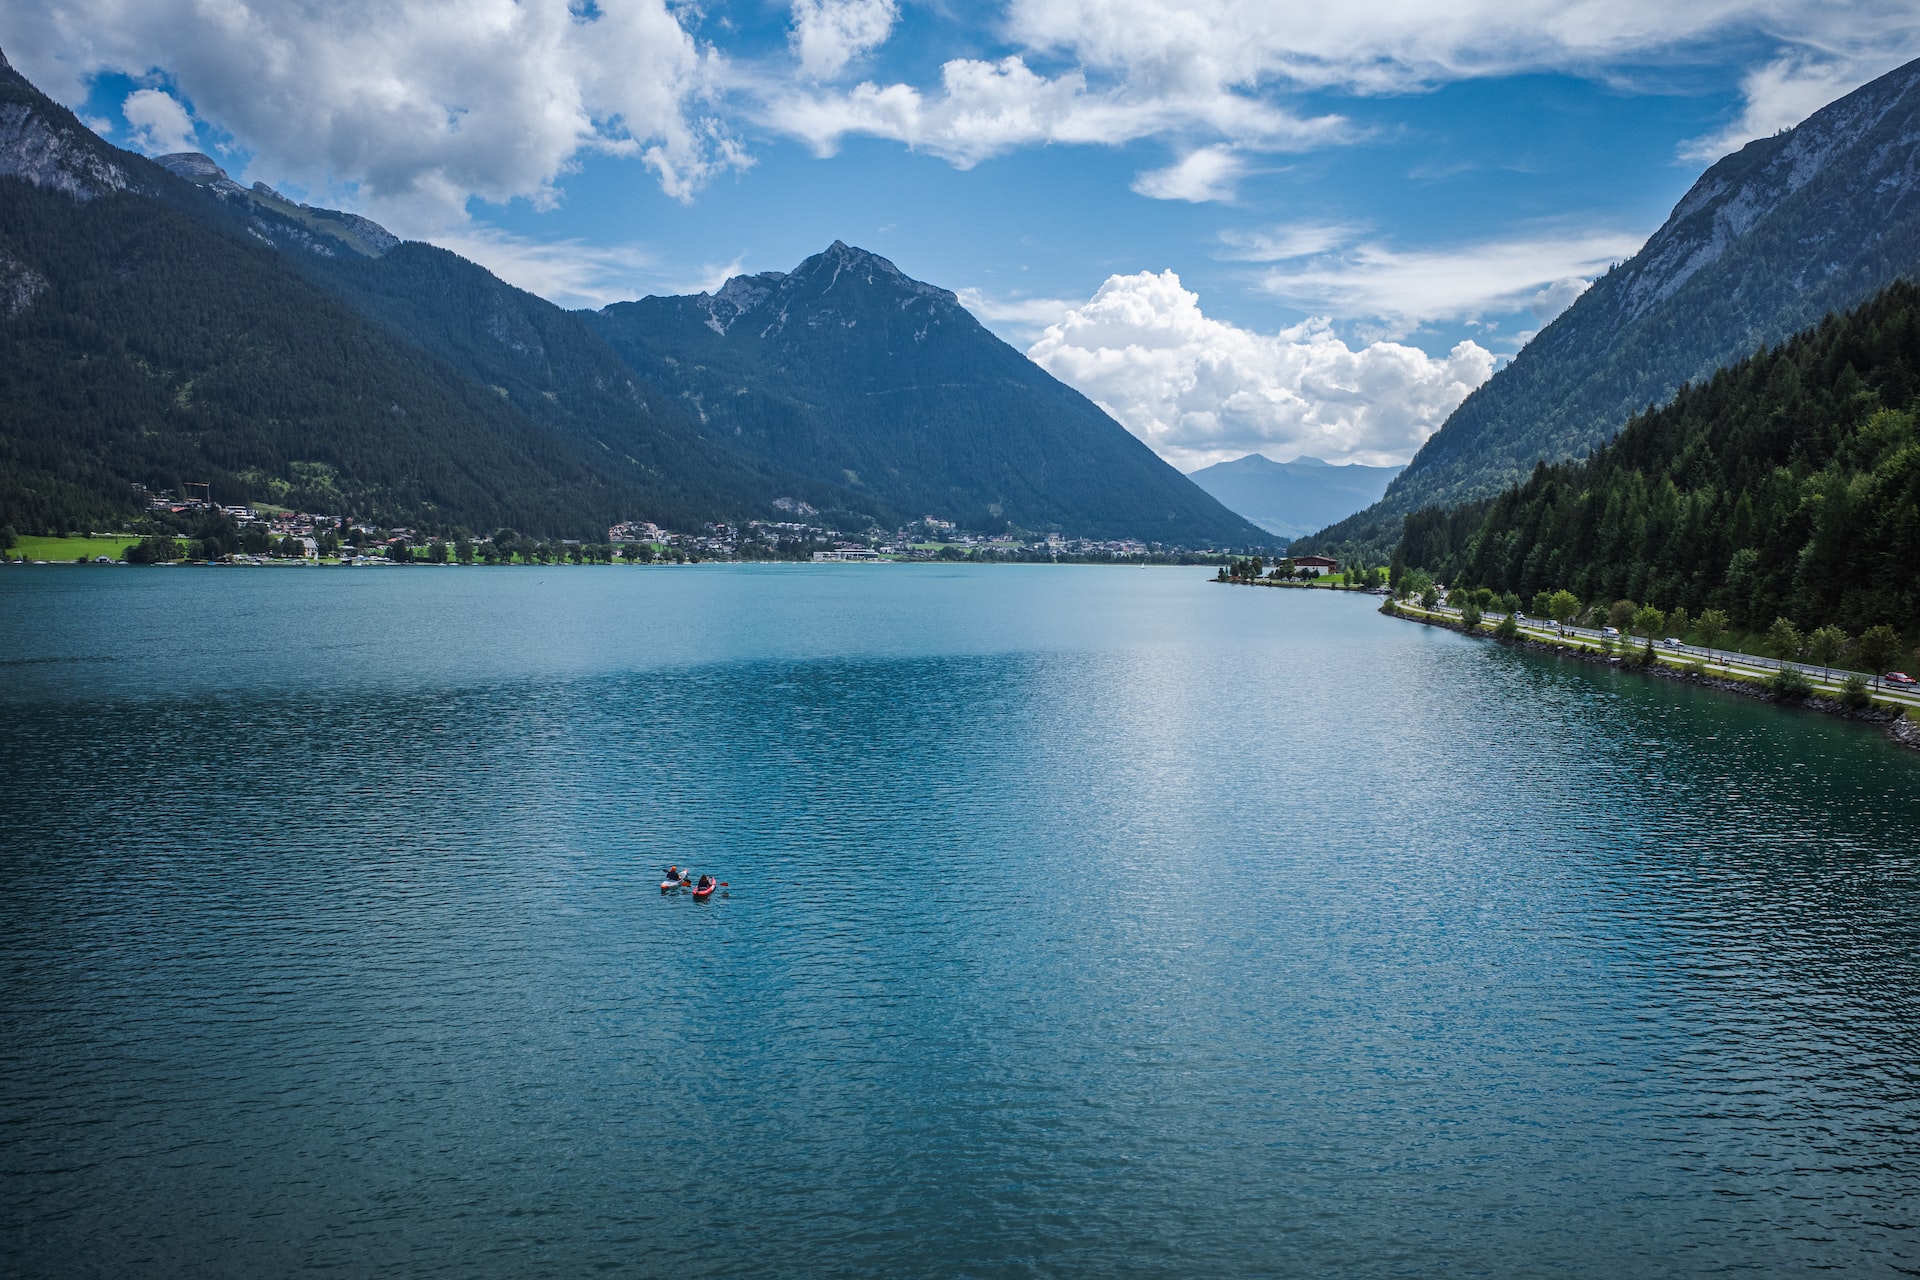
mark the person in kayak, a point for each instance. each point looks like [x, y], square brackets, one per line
[706, 882]
[673, 874]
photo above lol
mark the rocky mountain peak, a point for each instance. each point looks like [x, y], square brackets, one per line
[841, 261]
[194, 166]
[738, 296]
[840, 274]
[321, 231]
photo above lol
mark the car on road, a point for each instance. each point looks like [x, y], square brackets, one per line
[1609, 631]
[1900, 678]
[1672, 642]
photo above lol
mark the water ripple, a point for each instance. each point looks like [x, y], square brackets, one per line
[1081, 922]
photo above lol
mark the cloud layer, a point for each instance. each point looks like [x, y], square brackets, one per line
[983, 109]
[1404, 290]
[1213, 73]
[1199, 390]
[1787, 90]
[421, 103]
[425, 104]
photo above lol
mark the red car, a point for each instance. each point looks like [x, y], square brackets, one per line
[1899, 677]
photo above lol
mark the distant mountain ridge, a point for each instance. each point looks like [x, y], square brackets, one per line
[1769, 240]
[160, 322]
[851, 372]
[1292, 499]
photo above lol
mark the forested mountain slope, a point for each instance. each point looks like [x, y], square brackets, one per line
[155, 329]
[1788, 484]
[1769, 240]
[139, 346]
[848, 371]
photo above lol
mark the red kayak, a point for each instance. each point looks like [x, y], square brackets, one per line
[708, 891]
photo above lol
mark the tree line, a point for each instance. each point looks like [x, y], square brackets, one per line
[1781, 493]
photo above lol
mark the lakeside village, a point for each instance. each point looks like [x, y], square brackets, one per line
[196, 530]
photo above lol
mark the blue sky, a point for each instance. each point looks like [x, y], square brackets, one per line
[1238, 225]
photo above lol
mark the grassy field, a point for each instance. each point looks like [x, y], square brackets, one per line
[70, 549]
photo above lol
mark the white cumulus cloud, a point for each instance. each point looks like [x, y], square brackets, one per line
[409, 109]
[1200, 390]
[420, 104]
[828, 34]
[160, 125]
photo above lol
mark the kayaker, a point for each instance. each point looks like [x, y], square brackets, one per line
[705, 881]
[673, 873]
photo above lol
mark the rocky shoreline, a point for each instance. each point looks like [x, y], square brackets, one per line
[1898, 726]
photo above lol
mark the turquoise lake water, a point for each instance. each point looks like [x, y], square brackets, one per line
[1083, 922]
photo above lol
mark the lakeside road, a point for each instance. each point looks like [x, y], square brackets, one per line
[1725, 661]
[1825, 680]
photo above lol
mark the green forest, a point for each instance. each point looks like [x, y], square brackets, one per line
[1784, 486]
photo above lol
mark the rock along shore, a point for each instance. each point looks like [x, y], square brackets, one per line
[1898, 726]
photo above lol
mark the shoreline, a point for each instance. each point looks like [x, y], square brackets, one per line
[1897, 723]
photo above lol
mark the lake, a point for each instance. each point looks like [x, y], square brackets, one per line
[1081, 921]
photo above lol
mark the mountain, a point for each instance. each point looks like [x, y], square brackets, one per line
[852, 373]
[328, 230]
[1787, 484]
[161, 323]
[1770, 239]
[552, 367]
[1293, 498]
